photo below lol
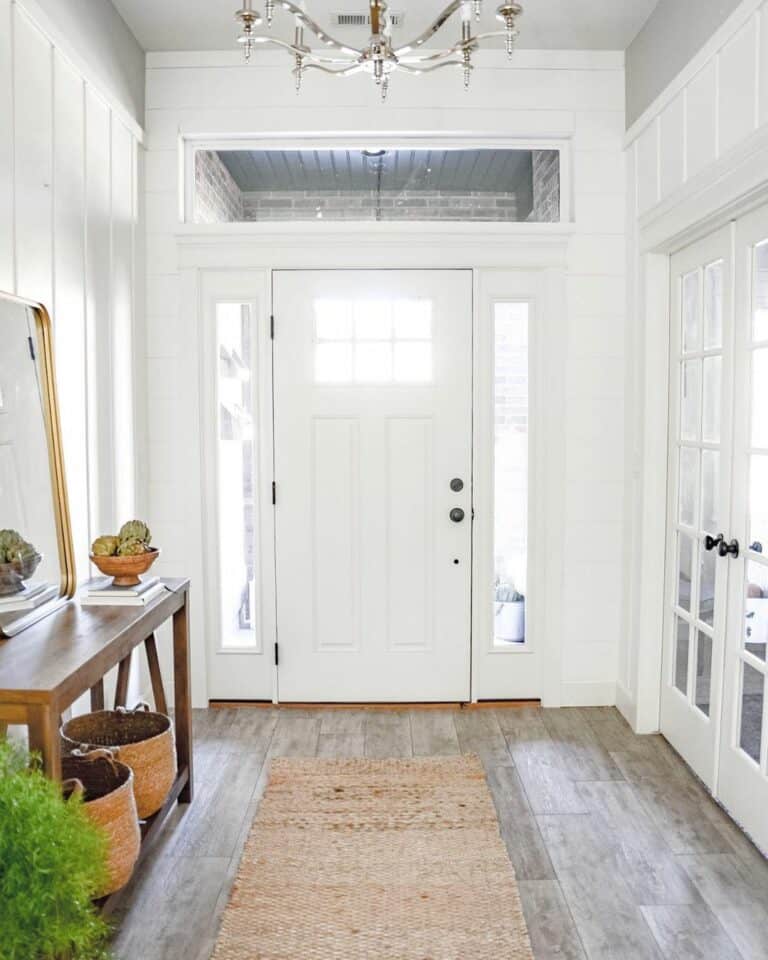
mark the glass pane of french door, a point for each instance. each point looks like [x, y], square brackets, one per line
[697, 495]
[743, 779]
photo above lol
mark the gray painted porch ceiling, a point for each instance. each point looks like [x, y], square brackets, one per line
[495, 171]
[546, 24]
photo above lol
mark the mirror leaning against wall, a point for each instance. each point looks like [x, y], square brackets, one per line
[37, 571]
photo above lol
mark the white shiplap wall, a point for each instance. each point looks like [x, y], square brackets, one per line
[69, 238]
[684, 161]
[577, 96]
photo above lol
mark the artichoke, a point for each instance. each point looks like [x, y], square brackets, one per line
[105, 546]
[135, 530]
[131, 547]
[9, 539]
[21, 552]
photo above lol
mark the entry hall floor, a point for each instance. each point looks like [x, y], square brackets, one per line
[619, 851]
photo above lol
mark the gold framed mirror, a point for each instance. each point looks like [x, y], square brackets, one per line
[37, 566]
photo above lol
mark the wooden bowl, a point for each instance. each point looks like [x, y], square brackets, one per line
[126, 571]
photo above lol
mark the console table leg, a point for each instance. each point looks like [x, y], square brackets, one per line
[183, 696]
[97, 695]
[44, 738]
[155, 675]
[123, 676]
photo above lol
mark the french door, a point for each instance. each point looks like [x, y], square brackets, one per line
[716, 615]
[373, 467]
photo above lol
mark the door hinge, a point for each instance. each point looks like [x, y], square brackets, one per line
[31, 343]
[274, 493]
[277, 655]
[272, 327]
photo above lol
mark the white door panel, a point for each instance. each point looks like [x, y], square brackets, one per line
[373, 419]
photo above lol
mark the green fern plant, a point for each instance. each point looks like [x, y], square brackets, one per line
[52, 862]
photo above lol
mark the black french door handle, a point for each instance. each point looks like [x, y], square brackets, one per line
[711, 542]
[731, 548]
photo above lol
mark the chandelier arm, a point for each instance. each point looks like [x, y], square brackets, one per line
[415, 70]
[433, 28]
[318, 31]
[458, 47]
[345, 72]
[304, 52]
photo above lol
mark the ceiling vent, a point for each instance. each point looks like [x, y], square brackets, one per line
[344, 19]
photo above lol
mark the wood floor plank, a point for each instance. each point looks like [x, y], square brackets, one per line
[434, 734]
[584, 756]
[550, 925]
[690, 933]
[342, 722]
[294, 736]
[388, 735]
[610, 924]
[518, 826]
[341, 745]
[478, 731]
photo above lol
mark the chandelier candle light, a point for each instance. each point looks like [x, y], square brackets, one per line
[379, 57]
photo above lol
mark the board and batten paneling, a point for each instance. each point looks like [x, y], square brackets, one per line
[718, 101]
[575, 96]
[68, 186]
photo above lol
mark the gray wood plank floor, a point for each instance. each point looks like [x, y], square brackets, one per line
[620, 853]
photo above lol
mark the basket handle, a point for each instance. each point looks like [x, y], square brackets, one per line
[139, 705]
[73, 787]
[88, 753]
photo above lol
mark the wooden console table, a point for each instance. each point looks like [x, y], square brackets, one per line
[47, 667]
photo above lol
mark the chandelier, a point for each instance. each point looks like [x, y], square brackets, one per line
[379, 57]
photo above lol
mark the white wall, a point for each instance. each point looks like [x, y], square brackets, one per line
[574, 95]
[699, 146]
[673, 33]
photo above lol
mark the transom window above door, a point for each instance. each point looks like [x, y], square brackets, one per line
[394, 184]
[373, 341]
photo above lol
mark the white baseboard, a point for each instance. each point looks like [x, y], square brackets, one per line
[625, 703]
[588, 694]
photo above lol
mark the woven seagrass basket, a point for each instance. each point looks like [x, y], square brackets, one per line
[107, 789]
[138, 737]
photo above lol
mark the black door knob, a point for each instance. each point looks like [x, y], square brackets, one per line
[457, 514]
[711, 542]
[731, 548]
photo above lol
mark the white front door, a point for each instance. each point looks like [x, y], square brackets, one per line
[373, 464]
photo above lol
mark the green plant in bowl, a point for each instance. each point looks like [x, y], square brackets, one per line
[52, 862]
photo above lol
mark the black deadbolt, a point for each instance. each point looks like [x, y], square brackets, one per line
[457, 484]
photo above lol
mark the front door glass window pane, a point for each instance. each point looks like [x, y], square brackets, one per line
[711, 401]
[707, 586]
[510, 472]
[690, 400]
[760, 294]
[689, 482]
[756, 610]
[751, 726]
[682, 643]
[760, 399]
[684, 571]
[236, 476]
[713, 306]
[691, 312]
[703, 671]
[758, 503]
[710, 490]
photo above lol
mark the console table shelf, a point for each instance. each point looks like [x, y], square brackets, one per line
[47, 667]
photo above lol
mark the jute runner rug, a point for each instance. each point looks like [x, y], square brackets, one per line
[375, 860]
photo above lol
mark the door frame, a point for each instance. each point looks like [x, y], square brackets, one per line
[539, 252]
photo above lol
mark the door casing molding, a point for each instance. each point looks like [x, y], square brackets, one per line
[538, 251]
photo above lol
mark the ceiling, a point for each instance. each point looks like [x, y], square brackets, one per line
[545, 24]
[496, 171]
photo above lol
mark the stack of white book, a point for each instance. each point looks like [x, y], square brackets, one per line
[35, 593]
[103, 593]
